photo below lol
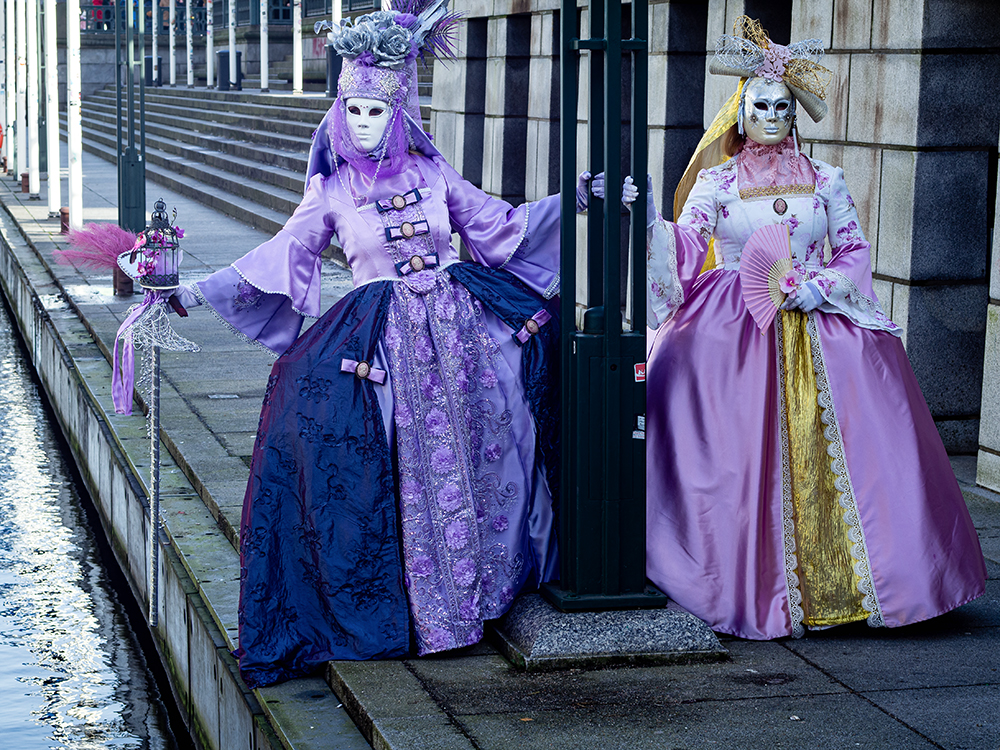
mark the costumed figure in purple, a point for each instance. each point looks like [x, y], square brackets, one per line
[795, 477]
[402, 481]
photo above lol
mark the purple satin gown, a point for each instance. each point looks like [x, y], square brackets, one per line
[475, 510]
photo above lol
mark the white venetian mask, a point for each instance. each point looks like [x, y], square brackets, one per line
[367, 119]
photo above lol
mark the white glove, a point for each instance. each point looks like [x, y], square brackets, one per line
[630, 192]
[597, 185]
[806, 298]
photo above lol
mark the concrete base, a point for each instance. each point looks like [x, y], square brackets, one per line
[535, 636]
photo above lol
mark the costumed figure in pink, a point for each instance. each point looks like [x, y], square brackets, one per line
[402, 481]
[795, 477]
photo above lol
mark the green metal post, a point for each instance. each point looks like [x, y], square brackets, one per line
[131, 154]
[602, 511]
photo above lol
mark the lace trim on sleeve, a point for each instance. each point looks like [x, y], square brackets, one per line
[787, 512]
[552, 289]
[520, 240]
[867, 305]
[674, 297]
[842, 482]
[236, 331]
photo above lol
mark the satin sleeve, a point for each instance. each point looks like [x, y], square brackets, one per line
[264, 295]
[846, 281]
[675, 252]
[523, 240]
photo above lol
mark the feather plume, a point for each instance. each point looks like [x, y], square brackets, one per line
[96, 246]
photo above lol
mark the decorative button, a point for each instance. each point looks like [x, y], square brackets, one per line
[780, 206]
[398, 202]
[416, 262]
[531, 326]
[407, 229]
[363, 370]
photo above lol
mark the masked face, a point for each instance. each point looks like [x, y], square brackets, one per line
[768, 110]
[367, 119]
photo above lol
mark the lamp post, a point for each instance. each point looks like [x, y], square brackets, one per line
[603, 504]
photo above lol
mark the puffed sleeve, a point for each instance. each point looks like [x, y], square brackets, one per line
[846, 281]
[524, 240]
[675, 253]
[264, 295]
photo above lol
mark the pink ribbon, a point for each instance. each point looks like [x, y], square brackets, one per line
[367, 372]
[531, 326]
[123, 371]
[415, 228]
[414, 266]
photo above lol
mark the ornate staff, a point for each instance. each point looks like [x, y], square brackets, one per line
[153, 262]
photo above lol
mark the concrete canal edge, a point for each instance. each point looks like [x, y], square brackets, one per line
[199, 572]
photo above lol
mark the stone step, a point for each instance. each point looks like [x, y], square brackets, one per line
[282, 109]
[283, 170]
[252, 96]
[202, 132]
[259, 205]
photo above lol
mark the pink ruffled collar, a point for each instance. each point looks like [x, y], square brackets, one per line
[770, 166]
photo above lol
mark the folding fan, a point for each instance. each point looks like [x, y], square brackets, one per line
[766, 267]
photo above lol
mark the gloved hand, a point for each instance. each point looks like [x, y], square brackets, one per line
[630, 192]
[597, 186]
[181, 299]
[583, 191]
[806, 298]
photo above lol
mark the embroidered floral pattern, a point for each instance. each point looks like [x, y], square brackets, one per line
[247, 297]
[446, 393]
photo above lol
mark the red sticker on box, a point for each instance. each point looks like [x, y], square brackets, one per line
[640, 372]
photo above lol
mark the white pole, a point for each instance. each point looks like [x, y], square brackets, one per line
[154, 21]
[21, 129]
[52, 110]
[4, 106]
[209, 43]
[264, 17]
[232, 44]
[296, 46]
[189, 19]
[34, 147]
[173, 43]
[74, 126]
[338, 12]
[10, 71]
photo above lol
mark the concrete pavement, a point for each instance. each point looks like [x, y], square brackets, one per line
[932, 685]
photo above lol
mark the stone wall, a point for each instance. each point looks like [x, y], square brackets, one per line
[913, 121]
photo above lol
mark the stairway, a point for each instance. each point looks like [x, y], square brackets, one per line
[242, 153]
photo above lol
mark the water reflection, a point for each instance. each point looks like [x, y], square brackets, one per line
[71, 672]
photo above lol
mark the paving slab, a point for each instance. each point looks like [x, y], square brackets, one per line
[957, 718]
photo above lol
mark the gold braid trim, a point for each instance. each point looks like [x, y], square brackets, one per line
[769, 191]
[808, 76]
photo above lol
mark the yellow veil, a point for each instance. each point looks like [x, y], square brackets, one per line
[709, 153]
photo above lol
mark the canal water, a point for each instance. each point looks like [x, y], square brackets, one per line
[72, 672]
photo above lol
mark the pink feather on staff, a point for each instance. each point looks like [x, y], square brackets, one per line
[96, 246]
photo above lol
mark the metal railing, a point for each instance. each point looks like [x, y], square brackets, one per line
[98, 18]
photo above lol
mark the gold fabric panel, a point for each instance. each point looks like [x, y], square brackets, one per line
[827, 581]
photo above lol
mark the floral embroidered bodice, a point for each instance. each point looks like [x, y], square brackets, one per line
[764, 185]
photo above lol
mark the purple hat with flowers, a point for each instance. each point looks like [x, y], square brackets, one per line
[379, 52]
